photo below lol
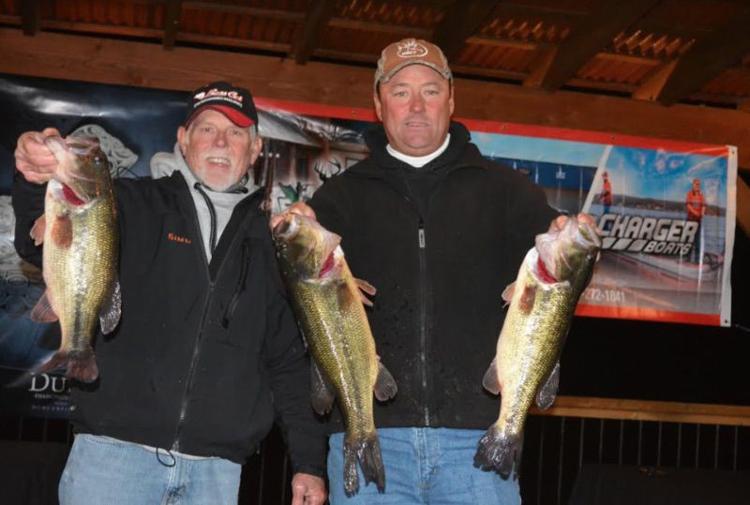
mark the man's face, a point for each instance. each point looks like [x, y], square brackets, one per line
[696, 185]
[415, 106]
[218, 152]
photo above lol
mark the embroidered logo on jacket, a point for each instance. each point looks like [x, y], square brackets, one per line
[178, 238]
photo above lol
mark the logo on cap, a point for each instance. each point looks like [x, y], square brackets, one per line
[219, 93]
[410, 48]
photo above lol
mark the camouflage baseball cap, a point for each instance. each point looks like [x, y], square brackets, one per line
[410, 52]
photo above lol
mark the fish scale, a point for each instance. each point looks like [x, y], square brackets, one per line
[327, 302]
[80, 237]
[544, 296]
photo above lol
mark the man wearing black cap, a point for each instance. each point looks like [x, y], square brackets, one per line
[207, 352]
[440, 232]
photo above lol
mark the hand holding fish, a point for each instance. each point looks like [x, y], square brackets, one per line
[34, 158]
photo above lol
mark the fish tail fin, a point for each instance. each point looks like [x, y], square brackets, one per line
[366, 450]
[80, 365]
[500, 452]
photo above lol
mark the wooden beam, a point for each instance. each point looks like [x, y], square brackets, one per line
[653, 85]
[92, 59]
[261, 12]
[369, 26]
[540, 65]
[172, 22]
[592, 35]
[708, 57]
[31, 14]
[646, 410]
[461, 20]
[309, 33]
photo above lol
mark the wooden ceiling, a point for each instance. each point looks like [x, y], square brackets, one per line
[693, 51]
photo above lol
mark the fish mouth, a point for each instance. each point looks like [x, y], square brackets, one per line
[331, 266]
[328, 265]
[71, 197]
[68, 194]
[543, 273]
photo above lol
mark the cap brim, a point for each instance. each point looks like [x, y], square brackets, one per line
[235, 116]
[444, 72]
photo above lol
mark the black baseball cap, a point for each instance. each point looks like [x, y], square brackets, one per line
[234, 102]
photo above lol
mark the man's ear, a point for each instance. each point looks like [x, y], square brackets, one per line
[378, 106]
[182, 138]
[255, 147]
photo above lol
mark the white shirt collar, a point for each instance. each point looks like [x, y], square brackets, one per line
[419, 161]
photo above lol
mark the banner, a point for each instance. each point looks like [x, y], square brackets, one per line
[661, 261]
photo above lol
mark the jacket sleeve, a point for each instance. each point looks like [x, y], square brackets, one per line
[532, 216]
[289, 372]
[328, 202]
[28, 205]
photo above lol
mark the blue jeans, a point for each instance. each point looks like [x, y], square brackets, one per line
[424, 465]
[106, 470]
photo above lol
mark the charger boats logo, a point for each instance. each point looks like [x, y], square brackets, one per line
[650, 235]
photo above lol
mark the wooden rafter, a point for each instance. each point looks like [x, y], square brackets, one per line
[461, 20]
[653, 85]
[725, 47]
[245, 10]
[30, 16]
[172, 22]
[371, 26]
[309, 33]
[593, 34]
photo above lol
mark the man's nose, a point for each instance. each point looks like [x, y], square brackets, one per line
[221, 138]
[417, 103]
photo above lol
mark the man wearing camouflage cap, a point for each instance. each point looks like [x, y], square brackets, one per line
[439, 231]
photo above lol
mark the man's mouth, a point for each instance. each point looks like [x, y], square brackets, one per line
[218, 160]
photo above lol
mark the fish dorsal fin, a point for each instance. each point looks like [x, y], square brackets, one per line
[321, 391]
[111, 311]
[490, 381]
[507, 295]
[385, 385]
[42, 311]
[37, 231]
[547, 393]
[365, 288]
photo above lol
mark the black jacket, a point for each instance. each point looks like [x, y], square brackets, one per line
[440, 244]
[205, 354]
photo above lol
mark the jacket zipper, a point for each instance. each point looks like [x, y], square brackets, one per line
[212, 214]
[191, 370]
[423, 282]
[206, 306]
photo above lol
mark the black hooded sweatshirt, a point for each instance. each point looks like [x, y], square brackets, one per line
[440, 243]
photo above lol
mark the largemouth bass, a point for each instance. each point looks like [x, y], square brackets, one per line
[80, 236]
[328, 302]
[526, 367]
